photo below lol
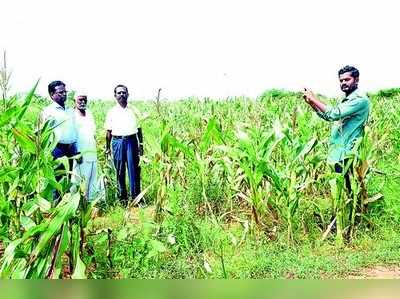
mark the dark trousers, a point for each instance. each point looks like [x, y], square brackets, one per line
[61, 150]
[126, 153]
[339, 169]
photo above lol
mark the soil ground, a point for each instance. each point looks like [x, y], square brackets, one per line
[378, 272]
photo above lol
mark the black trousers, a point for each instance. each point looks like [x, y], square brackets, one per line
[339, 169]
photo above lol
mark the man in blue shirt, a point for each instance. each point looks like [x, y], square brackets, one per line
[350, 115]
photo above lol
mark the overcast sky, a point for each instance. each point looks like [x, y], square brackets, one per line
[201, 48]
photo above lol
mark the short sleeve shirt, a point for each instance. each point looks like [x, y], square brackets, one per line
[62, 121]
[121, 121]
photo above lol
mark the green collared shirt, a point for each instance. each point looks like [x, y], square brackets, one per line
[351, 115]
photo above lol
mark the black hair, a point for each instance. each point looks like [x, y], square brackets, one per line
[349, 69]
[52, 86]
[120, 85]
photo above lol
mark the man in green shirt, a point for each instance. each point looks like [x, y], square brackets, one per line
[350, 115]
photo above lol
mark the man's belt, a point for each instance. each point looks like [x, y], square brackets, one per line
[123, 137]
[64, 145]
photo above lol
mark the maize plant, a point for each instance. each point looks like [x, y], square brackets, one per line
[38, 235]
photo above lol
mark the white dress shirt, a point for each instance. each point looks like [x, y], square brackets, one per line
[121, 121]
[62, 121]
[86, 129]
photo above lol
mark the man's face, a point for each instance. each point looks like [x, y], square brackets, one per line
[59, 95]
[348, 83]
[81, 102]
[121, 95]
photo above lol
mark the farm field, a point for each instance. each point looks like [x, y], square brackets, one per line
[234, 188]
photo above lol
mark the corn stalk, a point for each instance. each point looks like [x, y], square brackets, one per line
[38, 234]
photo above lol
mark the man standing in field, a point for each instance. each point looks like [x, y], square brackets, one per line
[86, 144]
[62, 121]
[126, 139]
[351, 115]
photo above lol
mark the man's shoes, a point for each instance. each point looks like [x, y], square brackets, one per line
[124, 202]
[140, 203]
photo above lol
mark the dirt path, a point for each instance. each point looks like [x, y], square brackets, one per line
[378, 272]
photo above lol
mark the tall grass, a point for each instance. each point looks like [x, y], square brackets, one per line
[42, 239]
[216, 175]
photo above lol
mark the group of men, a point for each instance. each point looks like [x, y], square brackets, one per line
[74, 132]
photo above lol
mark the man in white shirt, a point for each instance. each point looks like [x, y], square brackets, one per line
[86, 144]
[126, 139]
[61, 120]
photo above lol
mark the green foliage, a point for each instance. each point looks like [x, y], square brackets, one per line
[278, 94]
[235, 188]
[37, 233]
[256, 165]
[388, 93]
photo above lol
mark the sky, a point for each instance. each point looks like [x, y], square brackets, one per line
[213, 48]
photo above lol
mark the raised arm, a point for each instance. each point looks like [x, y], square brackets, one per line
[346, 109]
[313, 101]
